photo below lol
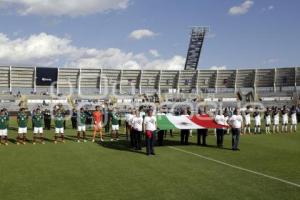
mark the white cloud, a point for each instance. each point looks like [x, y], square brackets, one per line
[241, 9]
[271, 7]
[49, 50]
[67, 7]
[271, 61]
[141, 33]
[154, 53]
[222, 67]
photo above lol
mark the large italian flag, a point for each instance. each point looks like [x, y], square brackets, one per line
[167, 122]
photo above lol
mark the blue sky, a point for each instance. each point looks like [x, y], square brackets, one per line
[257, 33]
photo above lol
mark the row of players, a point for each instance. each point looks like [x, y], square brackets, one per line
[59, 122]
[138, 123]
[271, 117]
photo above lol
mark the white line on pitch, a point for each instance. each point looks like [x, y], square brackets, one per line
[236, 167]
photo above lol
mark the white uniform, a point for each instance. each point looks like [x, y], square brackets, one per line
[294, 118]
[285, 118]
[268, 120]
[257, 120]
[247, 119]
[276, 119]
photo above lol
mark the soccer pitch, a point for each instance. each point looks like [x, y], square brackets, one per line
[267, 167]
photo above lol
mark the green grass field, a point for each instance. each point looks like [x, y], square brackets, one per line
[112, 171]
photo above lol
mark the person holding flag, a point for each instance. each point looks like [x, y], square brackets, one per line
[220, 119]
[137, 125]
[236, 123]
[150, 128]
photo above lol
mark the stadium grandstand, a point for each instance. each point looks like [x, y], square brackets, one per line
[29, 86]
[245, 85]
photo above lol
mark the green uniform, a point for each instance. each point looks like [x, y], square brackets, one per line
[22, 120]
[81, 119]
[3, 122]
[59, 121]
[115, 119]
[38, 120]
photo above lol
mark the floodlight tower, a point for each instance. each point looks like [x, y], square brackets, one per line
[196, 43]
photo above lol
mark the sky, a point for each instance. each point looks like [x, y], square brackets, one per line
[149, 34]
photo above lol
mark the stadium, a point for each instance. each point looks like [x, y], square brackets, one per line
[204, 133]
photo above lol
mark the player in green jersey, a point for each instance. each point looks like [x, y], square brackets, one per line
[81, 119]
[3, 127]
[115, 117]
[59, 126]
[37, 120]
[22, 120]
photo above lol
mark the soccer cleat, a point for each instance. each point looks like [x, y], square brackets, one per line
[6, 144]
[55, 142]
[111, 139]
[101, 140]
[18, 143]
[84, 140]
[63, 141]
[43, 142]
[93, 140]
[78, 141]
[33, 143]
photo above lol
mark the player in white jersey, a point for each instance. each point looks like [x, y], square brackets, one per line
[247, 117]
[257, 121]
[267, 118]
[275, 120]
[285, 119]
[293, 114]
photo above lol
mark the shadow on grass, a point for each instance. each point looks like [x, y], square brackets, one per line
[121, 145]
[124, 145]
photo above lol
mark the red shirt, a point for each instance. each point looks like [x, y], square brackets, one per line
[97, 115]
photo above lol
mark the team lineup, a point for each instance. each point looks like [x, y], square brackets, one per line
[143, 124]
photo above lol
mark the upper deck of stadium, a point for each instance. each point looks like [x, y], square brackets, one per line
[96, 81]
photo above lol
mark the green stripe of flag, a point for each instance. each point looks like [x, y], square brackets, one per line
[163, 123]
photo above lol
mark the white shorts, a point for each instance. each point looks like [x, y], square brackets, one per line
[81, 128]
[276, 121]
[115, 127]
[285, 121]
[268, 121]
[22, 130]
[38, 130]
[59, 130]
[257, 123]
[247, 121]
[3, 132]
[294, 121]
